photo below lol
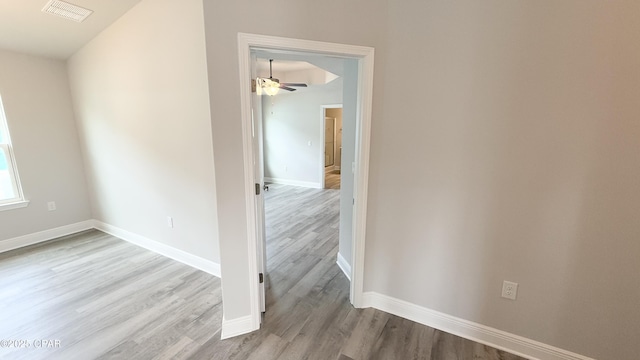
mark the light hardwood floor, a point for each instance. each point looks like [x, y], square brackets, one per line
[103, 298]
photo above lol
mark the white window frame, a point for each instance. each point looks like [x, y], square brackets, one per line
[18, 200]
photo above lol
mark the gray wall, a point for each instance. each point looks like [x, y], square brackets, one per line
[504, 146]
[351, 23]
[37, 102]
[291, 120]
[508, 149]
[141, 96]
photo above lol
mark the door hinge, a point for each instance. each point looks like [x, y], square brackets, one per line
[261, 278]
[257, 189]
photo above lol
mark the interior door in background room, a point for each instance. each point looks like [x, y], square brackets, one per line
[329, 141]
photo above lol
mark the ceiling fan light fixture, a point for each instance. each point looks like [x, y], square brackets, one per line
[269, 87]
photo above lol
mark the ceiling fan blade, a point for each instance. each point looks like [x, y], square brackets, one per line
[286, 88]
[294, 84]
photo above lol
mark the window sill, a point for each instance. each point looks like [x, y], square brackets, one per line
[14, 205]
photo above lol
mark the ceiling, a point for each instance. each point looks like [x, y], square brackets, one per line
[283, 65]
[25, 28]
[286, 61]
[295, 71]
[291, 66]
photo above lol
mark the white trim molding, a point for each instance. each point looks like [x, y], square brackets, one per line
[14, 205]
[42, 236]
[344, 266]
[282, 181]
[253, 322]
[365, 57]
[235, 327]
[160, 248]
[499, 339]
[361, 175]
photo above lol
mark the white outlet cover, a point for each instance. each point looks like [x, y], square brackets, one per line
[509, 290]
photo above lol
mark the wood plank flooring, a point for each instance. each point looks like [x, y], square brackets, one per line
[101, 297]
[331, 178]
[104, 298]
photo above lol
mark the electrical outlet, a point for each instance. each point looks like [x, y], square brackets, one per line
[170, 222]
[509, 290]
[51, 205]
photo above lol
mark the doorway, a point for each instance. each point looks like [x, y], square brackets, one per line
[362, 63]
[301, 218]
[332, 115]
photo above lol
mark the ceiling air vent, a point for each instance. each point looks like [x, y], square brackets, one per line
[66, 10]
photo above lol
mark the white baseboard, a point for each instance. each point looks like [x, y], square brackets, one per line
[42, 236]
[499, 339]
[239, 326]
[344, 266]
[160, 248]
[308, 184]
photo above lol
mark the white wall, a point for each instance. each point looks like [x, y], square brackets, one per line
[141, 98]
[291, 121]
[37, 102]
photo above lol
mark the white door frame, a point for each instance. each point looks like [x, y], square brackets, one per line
[258, 167]
[324, 108]
[364, 55]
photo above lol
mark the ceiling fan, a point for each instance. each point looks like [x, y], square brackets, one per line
[271, 85]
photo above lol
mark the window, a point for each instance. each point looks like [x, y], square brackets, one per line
[10, 190]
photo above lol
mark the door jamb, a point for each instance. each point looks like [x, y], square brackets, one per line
[365, 57]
